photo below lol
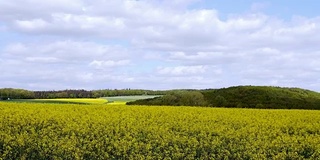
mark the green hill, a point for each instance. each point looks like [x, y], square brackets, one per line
[242, 97]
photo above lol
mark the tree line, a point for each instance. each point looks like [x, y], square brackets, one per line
[11, 93]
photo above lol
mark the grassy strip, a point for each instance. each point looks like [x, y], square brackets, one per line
[129, 98]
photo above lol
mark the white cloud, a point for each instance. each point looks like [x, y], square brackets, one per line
[246, 23]
[75, 25]
[42, 59]
[16, 48]
[35, 24]
[180, 70]
[109, 63]
[60, 62]
[207, 58]
[68, 50]
[30, 9]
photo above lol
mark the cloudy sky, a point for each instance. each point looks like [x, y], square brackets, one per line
[159, 44]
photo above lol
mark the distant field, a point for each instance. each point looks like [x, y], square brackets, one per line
[128, 98]
[104, 100]
[64, 100]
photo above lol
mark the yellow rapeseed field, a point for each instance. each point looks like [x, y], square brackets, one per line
[99, 131]
[79, 100]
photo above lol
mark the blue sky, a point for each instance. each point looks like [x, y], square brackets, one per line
[153, 44]
[284, 9]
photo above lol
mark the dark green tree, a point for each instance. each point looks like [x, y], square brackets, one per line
[220, 101]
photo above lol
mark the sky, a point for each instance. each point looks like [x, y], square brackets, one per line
[159, 44]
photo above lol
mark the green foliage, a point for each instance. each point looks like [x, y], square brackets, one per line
[241, 97]
[6, 93]
[10, 93]
[220, 101]
[265, 97]
[53, 131]
[259, 105]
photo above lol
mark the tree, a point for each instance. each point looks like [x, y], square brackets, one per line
[259, 105]
[220, 101]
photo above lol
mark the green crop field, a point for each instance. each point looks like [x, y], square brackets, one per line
[129, 98]
[99, 131]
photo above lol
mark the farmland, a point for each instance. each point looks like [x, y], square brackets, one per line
[99, 131]
[64, 100]
[128, 98]
[114, 100]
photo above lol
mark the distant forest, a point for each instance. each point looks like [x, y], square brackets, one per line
[240, 97]
[12, 93]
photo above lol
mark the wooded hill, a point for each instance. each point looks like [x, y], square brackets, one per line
[240, 97]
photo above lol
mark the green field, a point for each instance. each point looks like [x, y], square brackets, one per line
[99, 131]
[128, 98]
